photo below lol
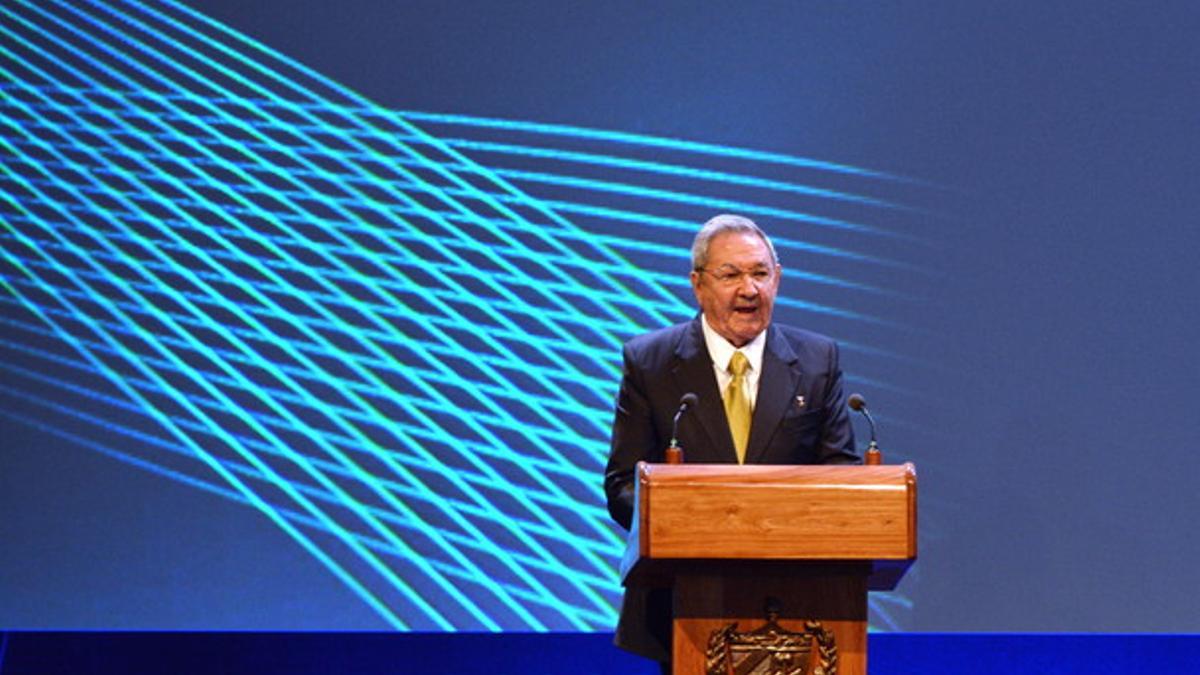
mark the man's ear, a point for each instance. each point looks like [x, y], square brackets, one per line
[695, 279]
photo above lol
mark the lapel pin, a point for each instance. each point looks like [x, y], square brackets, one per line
[799, 401]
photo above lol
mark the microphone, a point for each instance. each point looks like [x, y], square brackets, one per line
[674, 452]
[859, 404]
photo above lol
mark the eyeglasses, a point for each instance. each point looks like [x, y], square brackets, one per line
[728, 275]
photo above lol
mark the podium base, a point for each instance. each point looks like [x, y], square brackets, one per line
[812, 614]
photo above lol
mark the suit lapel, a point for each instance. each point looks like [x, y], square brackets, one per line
[779, 380]
[693, 372]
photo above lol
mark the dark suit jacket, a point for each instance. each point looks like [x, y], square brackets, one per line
[800, 417]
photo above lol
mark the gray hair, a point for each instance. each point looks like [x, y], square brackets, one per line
[720, 225]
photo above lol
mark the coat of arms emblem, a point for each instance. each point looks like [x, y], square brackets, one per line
[771, 650]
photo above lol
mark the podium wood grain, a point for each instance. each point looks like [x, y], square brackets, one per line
[777, 512]
[815, 538]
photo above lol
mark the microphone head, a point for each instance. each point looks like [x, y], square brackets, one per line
[856, 402]
[689, 399]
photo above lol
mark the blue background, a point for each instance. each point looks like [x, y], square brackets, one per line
[1020, 314]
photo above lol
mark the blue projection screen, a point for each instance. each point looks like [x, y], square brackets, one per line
[282, 348]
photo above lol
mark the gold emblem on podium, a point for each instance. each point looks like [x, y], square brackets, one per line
[771, 650]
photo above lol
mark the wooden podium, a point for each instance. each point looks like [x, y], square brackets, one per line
[786, 552]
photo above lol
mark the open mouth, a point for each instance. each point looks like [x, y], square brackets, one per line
[745, 310]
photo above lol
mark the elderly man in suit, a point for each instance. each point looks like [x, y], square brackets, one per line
[768, 394]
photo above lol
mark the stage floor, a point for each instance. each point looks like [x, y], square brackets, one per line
[95, 653]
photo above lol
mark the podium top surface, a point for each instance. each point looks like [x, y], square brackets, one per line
[828, 475]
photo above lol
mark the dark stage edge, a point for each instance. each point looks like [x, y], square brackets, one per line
[134, 653]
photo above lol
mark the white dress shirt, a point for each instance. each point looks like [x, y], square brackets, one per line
[721, 352]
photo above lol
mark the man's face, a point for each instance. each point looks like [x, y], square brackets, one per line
[736, 289]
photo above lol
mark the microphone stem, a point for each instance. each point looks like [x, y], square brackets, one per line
[871, 421]
[675, 426]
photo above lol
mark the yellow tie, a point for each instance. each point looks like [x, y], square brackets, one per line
[737, 405]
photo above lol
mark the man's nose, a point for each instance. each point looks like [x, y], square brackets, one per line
[746, 286]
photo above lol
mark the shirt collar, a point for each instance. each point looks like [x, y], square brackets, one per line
[721, 350]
